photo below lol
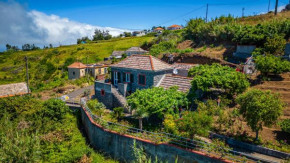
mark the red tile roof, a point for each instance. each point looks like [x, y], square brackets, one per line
[183, 83]
[175, 26]
[158, 28]
[143, 62]
[77, 65]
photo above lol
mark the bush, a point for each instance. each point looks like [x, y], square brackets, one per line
[285, 125]
[219, 77]
[271, 64]
[170, 125]
[55, 109]
[275, 45]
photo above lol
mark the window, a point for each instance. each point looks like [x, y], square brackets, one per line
[73, 73]
[142, 79]
[102, 92]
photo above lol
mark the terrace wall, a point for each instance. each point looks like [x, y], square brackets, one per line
[120, 146]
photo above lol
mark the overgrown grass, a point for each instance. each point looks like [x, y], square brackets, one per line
[47, 67]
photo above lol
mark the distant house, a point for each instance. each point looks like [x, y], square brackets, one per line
[98, 71]
[244, 51]
[158, 30]
[135, 50]
[117, 54]
[174, 27]
[76, 70]
[138, 33]
[13, 89]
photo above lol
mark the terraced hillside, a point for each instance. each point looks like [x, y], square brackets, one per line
[282, 86]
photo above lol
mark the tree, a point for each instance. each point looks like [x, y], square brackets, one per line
[101, 35]
[275, 45]
[8, 47]
[140, 113]
[271, 64]
[55, 109]
[127, 34]
[217, 76]
[158, 100]
[124, 55]
[260, 108]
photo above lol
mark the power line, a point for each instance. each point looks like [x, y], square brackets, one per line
[233, 4]
[183, 15]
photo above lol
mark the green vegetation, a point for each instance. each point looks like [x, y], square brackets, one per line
[218, 77]
[228, 28]
[156, 100]
[260, 108]
[36, 131]
[48, 67]
[285, 125]
[271, 64]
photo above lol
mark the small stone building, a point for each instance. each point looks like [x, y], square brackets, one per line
[76, 70]
[174, 27]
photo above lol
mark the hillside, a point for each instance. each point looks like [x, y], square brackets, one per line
[47, 68]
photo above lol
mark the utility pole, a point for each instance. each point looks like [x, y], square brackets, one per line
[87, 69]
[206, 13]
[27, 75]
[276, 7]
[243, 12]
[269, 5]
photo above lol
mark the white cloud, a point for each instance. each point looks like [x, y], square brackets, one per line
[20, 26]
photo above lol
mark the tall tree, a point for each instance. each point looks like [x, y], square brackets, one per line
[260, 108]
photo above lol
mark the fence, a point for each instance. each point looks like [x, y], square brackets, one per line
[185, 143]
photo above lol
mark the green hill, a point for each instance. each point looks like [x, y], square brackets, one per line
[47, 68]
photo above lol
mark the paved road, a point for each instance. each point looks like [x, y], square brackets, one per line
[79, 92]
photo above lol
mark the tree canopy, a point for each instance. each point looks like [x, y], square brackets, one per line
[271, 64]
[218, 76]
[157, 100]
[260, 108]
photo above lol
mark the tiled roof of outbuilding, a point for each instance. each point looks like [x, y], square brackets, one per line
[13, 89]
[183, 83]
[143, 62]
[77, 65]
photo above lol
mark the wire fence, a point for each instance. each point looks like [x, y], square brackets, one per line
[186, 143]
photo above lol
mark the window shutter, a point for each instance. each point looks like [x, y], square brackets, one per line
[119, 77]
[124, 77]
[132, 78]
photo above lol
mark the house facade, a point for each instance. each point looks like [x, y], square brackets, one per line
[138, 33]
[98, 71]
[174, 27]
[127, 76]
[76, 70]
[158, 30]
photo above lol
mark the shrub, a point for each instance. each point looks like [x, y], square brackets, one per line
[194, 123]
[220, 77]
[271, 64]
[55, 109]
[275, 45]
[285, 125]
[119, 112]
[96, 107]
[170, 125]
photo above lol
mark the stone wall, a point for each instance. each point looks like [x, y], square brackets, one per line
[120, 146]
[106, 99]
[75, 73]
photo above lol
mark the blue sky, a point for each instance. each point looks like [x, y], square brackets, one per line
[137, 14]
[62, 22]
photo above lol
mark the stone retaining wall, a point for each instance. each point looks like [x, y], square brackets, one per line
[120, 146]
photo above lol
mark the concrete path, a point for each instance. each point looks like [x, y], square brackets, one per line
[79, 92]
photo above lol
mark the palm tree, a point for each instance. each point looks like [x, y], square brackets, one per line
[140, 113]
